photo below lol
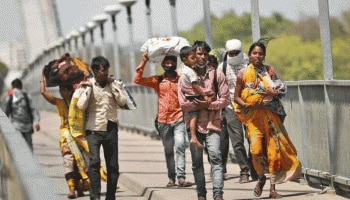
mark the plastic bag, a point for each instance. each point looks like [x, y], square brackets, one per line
[76, 116]
[130, 102]
[158, 48]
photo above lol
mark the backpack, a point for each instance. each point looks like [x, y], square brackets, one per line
[224, 67]
[8, 109]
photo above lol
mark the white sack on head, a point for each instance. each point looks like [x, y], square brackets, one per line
[158, 48]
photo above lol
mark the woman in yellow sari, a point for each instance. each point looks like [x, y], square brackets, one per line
[271, 149]
[73, 160]
[74, 148]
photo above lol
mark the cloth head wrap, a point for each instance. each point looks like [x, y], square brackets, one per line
[233, 44]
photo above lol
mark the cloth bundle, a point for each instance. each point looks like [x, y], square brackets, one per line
[65, 70]
[158, 48]
[76, 116]
[130, 102]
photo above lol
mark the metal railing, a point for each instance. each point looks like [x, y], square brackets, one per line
[20, 175]
[317, 123]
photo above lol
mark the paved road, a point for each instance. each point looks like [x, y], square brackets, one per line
[143, 171]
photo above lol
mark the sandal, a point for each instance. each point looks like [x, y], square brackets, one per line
[80, 194]
[71, 195]
[274, 195]
[185, 184]
[171, 183]
[259, 186]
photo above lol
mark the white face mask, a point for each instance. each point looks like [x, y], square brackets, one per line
[235, 60]
[202, 66]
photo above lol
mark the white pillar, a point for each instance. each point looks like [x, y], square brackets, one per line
[113, 10]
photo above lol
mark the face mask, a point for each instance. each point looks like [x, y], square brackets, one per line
[235, 60]
[16, 91]
[170, 68]
[202, 66]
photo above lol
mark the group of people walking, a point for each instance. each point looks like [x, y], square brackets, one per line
[210, 103]
[87, 107]
[205, 106]
[85, 124]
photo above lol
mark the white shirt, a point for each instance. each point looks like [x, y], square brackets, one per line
[101, 104]
[189, 76]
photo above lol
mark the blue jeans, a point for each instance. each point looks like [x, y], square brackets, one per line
[212, 142]
[109, 141]
[174, 136]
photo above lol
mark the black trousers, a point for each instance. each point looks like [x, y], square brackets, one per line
[109, 141]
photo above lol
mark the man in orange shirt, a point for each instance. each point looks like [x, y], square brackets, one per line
[171, 125]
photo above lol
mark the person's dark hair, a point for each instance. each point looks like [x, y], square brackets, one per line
[50, 72]
[257, 44]
[213, 60]
[66, 86]
[262, 43]
[99, 61]
[170, 57]
[202, 45]
[17, 83]
[185, 52]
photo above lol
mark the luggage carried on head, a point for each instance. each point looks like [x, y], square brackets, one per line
[65, 70]
[158, 48]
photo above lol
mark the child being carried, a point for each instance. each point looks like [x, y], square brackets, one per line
[190, 79]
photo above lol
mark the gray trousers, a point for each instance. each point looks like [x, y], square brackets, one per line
[234, 130]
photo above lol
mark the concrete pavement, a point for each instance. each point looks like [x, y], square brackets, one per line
[143, 173]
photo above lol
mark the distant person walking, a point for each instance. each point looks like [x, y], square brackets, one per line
[171, 125]
[21, 111]
[100, 99]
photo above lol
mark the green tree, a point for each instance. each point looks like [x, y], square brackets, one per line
[3, 72]
[227, 27]
[296, 51]
[341, 59]
[3, 68]
[346, 22]
[274, 25]
[294, 59]
[307, 28]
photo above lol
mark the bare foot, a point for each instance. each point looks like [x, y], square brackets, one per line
[196, 143]
[212, 127]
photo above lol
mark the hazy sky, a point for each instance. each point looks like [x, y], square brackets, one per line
[188, 13]
[76, 13]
